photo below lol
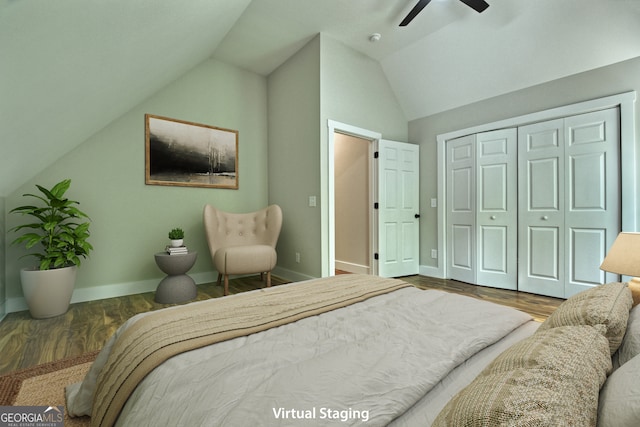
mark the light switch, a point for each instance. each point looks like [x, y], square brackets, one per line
[434, 202]
[312, 201]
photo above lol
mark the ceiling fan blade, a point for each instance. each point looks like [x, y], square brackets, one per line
[477, 5]
[416, 9]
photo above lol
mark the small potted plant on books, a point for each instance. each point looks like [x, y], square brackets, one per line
[176, 236]
[176, 247]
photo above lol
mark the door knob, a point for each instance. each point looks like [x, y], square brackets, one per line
[416, 216]
[492, 217]
[544, 218]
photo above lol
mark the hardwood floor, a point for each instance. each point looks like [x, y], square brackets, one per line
[26, 342]
[538, 306]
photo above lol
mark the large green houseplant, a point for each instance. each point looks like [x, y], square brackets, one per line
[59, 232]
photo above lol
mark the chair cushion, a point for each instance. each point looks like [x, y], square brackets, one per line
[245, 259]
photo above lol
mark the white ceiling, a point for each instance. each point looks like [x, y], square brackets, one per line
[449, 55]
[70, 67]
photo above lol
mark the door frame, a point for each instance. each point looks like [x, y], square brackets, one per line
[628, 157]
[328, 261]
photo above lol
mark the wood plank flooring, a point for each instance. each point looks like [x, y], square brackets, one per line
[538, 306]
[25, 342]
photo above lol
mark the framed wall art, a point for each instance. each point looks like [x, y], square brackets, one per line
[190, 154]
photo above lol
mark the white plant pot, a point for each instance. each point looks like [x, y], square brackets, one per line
[177, 243]
[48, 292]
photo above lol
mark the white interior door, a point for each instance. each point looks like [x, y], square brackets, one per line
[398, 209]
[461, 215]
[497, 209]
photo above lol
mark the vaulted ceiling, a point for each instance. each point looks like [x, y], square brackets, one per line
[70, 67]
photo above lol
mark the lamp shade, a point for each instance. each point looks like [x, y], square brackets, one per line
[624, 255]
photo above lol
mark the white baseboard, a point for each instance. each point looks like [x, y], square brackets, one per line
[352, 267]
[426, 270]
[12, 305]
[111, 291]
[15, 304]
[291, 275]
[3, 310]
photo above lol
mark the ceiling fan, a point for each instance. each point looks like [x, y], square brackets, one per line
[477, 5]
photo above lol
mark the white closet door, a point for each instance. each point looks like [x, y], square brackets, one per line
[592, 202]
[540, 208]
[569, 202]
[461, 202]
[497, 209]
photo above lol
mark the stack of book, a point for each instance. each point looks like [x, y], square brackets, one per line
[180, 250]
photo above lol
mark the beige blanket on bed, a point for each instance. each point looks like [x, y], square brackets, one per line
[163, 334]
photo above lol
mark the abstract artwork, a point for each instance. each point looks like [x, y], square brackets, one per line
[190, 154]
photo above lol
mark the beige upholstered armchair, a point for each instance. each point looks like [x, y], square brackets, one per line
[243, 243]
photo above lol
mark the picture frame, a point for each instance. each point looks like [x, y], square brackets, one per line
[183, 153]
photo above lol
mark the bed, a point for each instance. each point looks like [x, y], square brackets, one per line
[363, 350]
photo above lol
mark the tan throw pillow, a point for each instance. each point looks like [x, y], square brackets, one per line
[549, 379]
[605, 307]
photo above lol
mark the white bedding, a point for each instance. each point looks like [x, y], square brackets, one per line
[365, 364]
[425, 411]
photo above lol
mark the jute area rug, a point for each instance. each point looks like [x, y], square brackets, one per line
[43, 385]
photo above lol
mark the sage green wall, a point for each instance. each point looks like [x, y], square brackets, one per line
[3, 287]
[324, 80]
[598, 83]
[130, 220]
[294, 162]
[355, 91]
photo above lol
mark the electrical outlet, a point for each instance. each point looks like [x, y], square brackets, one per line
[434, 203]
[297, 257]
[312, 201]
[434, 253]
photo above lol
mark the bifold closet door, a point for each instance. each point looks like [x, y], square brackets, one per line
[569, 202]
[541, 208]
[461, 209]
[497, 209]
[593, 197]
[482, 209]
